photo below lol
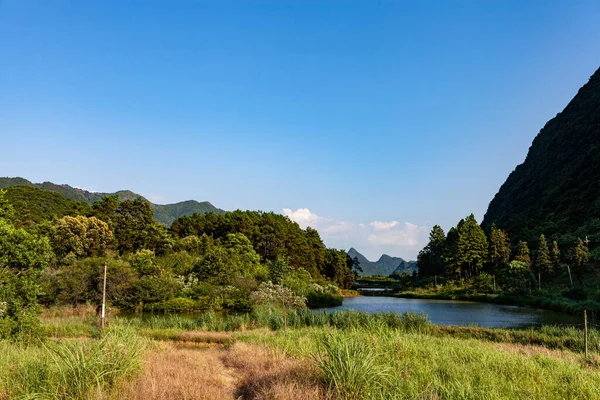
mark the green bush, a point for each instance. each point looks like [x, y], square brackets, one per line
[323, 299]
[178, 304]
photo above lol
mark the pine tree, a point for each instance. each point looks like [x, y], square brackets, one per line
[472, 246]
[499, 253]
[450, 250]
[430, 260]
[523, 253]
[555, 255]
[542, 259]
[582, 254]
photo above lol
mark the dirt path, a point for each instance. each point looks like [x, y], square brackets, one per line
[184, 371]
[242, 371]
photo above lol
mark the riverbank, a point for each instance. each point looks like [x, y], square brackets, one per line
[341, 355]
[542, 300]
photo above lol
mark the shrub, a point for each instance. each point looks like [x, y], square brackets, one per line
[323, 299]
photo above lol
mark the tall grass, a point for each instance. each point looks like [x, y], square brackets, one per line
[70, 370]
[350, 369]
[382, 363]
[262, 318]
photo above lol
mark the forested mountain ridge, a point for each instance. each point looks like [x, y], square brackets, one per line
[34, 205]
[386, 265]
[556, 190]
[163, 213]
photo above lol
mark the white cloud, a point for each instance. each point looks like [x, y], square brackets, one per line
[372, 239]
[303, 217]
[383, 226]
[408, 235]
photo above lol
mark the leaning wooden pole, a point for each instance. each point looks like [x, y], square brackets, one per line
[103, 299]
[585, 332]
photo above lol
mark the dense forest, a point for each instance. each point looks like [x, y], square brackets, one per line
[556, 191]
[53, 251]
[469, 263]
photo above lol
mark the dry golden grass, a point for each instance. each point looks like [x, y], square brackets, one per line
[530, 350]
[264, 374]
[242, 371]
[182, 372]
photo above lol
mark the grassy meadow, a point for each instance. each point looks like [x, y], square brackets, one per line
[322, 355]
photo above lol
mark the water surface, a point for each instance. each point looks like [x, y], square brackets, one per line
[453, 312]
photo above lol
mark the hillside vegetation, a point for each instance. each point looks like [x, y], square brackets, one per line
[163, 213]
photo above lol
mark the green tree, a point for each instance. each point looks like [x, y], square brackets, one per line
[453, 269]
[80, 237]
[278, 270]
[134, 226]
[472, 247]
[430, 260]
[499, 253]
[23, 258]
[522, 254]
[338, 268]
[231, 258]
[515, 277]
[581, 254]
[542, 258]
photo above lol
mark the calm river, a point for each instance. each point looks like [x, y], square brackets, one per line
[449, 312]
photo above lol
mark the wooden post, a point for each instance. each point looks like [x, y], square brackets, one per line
[570, 278]
[103, 299]
[494, 283]
[585, 332]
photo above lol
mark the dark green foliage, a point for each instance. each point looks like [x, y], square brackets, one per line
[499, 253]
[472, 247]
[33, 206]
[516, 277]
[317, 299]
[163, 213]
[555, 191]
[431, 259]
[274, 237]
[543, 264]
[465, 248]
[133, 225]
[23, 258]
[338, 268]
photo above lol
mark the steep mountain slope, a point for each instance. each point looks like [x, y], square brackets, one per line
[556, 191]
[163, 213]
[385, 266]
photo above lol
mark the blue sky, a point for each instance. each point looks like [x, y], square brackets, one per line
[371, 120]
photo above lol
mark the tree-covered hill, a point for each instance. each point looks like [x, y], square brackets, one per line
[556, 191]
[33, 205]
[163, 213]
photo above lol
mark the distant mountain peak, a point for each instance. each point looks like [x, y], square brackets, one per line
[386, 265]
